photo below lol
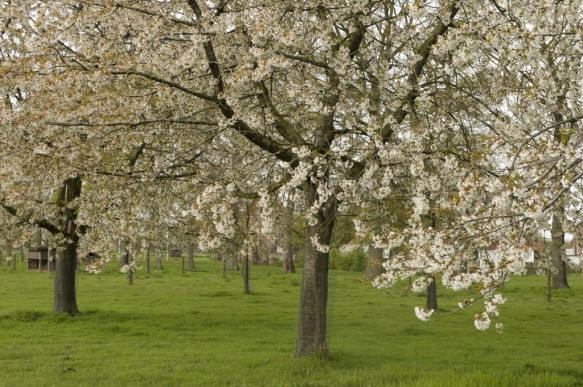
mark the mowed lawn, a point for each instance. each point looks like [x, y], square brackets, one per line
[199, 329]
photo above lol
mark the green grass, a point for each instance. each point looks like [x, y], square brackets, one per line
[198, 329]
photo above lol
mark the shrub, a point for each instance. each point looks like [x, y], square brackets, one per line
[355, 260]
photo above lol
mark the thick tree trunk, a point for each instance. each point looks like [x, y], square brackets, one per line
[374, 266]
[431, 301]
[190, 255]
[557, 253]
[311, 335]
[65, 297]
[124, 259]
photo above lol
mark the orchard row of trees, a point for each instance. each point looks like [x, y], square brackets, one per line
[439, 126]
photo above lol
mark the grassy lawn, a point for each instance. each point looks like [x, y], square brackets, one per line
[198, 329]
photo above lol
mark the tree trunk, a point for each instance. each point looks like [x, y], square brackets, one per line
[288, 258]
[65, 297]
[374, 266]
[232, 262]
[22, 253]
[190, 254]
[255, 254]
[557, 253]
[246, 287]
[158, 261]
[148, 258]
[124, 258]
[431, 301]
[128, 259]
[311, 335]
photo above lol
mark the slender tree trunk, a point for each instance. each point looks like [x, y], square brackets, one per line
[374, 266]
[22, 253]
[288, 259]
[128, 259]
[311, 335]
[557, 253]
[431, 301]
[549, 278]
[148, 258]
[246, 287]
[190, 254]
[158, 261]
[65, 297]
[255, 254]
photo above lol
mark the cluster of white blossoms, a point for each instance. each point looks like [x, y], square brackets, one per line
[132, 266]
[423, 314]
[483, 320]
[98, 266]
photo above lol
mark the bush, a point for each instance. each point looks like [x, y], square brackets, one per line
[348, 261]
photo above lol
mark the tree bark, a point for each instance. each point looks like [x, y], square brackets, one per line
[128, 259]
[557, 253]
[374, 266]
[246, 287]
[190, 254]
[148, 258]
[288, 259]
[158, 261]
[311, 335]
[232, 262]
[65, 297]
[431, 301]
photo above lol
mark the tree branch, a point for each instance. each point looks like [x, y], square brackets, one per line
[167, 83]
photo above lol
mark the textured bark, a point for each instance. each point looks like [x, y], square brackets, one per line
[124, 259]
[127, 257]
[374, 266]
[311, 335]
[288, 258]
[65, 297]
[148, 259]
[232, 262]
[431, 301]
[190, 256]
[246, 287]
[557, 254]
[158, 261]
